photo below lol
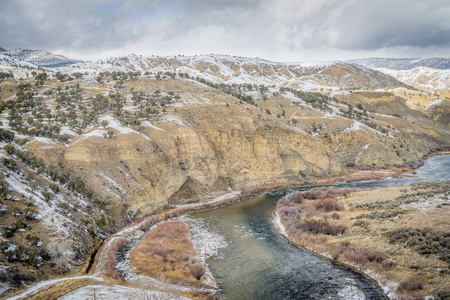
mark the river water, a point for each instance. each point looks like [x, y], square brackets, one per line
[259, 264]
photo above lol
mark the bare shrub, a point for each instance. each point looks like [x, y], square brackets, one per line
[197, 270]
[374, 257]
[15, 277]
[145, 225]
[110, 264]
[364, 177]
[336, 216]
[289, 211]
[442, 294]
[328, 204]
[295, 197]
[60, 255]
[162, 251]
[388, 264]
[335, 252]
[326, 192]
[409, 285]
[425, 241]
[322, 227]
[310, 211]
[356, 256]
[312, 194]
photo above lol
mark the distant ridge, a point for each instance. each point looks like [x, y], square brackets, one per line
[46, 59]
[41, 58]
[402, 63]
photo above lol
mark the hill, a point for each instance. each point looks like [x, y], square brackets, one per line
[403, 63]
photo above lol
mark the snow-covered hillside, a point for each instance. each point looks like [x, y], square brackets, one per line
[423, 78]
[238, 70]
[10, 61]
[18, 68]
[227, 69]
[40, 58]
[402, 63]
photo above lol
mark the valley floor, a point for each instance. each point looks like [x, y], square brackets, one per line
[104, 275]
[105, 279]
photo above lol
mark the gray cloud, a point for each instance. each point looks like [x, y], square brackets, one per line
[282, 28]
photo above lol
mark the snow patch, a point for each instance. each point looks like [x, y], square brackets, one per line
[103, 292]
[208, 244]
[361, 152]
[350, 291]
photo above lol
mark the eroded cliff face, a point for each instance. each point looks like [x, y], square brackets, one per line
[211, 142]
[211, 147]
[402, 134]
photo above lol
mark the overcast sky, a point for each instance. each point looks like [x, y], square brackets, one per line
[279, 30]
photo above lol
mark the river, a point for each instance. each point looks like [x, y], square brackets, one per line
[259, 264]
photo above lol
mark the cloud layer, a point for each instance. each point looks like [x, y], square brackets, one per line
[278, 30]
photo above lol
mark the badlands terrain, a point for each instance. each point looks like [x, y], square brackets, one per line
[88, 147]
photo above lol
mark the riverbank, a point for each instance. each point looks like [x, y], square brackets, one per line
[104, 264]
[438, 151]
[397, 236]
[323, 255]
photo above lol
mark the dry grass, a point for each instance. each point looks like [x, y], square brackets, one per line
[400, 233]
[166, 253]
[199, 295]
[60, 289]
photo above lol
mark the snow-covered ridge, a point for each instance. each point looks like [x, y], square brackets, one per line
[239, 70]
[39, 58]
[424, 78]
[402, 63]
[251, 70]
[10, 61]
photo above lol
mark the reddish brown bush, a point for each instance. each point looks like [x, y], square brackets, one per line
[328, 204]
[162, 251]
[364, 177]
[110, 262]
[409, 285]
[145, 225]
[337, 251]
[295, 197]
[309, 211]
[335, 216]
[374, 257]
[288, 211]
[197, 270]
[388, 264]
[322, 227]
[312, 194]
[355, 256]
[326, 192]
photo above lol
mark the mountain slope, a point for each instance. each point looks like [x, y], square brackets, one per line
[345, 76]
[41, 58]
[402, 63]
[424, 78]
[10, 61]
[222, 69]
